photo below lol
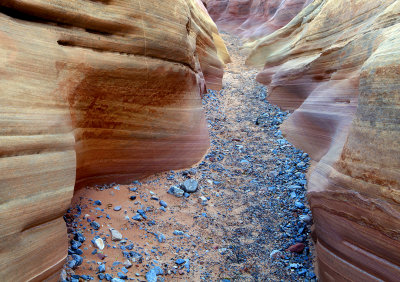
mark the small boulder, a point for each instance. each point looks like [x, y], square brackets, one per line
[296, 248]
[115, 235]
[190, 185]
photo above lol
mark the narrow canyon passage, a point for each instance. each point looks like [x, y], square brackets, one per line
[247, 221]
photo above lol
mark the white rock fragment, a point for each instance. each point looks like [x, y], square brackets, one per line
[203, 200]
[127, 263]
[99, 243]
[115, 235]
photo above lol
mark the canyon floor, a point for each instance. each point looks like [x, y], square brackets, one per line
[247, 221]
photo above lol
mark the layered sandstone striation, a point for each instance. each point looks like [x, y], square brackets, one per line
[253, 18]
[93, 91]
[337, 64]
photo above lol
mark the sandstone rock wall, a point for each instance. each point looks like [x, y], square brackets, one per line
[93, 91]
[253, 18]
[337, 64]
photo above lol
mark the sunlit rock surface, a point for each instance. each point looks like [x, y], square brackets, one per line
[253, 18]
[93, 92]
[337, 64]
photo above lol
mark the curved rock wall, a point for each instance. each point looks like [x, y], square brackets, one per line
[337, 64]
[253, 18]
[93, 91]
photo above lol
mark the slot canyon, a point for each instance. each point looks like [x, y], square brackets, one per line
[199, 140]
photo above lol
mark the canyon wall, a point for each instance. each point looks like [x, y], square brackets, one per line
[337, 65]
[93, 92]
[253, 18]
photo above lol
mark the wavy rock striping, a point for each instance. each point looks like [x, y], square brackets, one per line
[253, 18]
[94, 91]
[337, 65]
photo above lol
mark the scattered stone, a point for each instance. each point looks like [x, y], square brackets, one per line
[180, 261]
[151, 276]
[117, 208]
[295, 265]
[95, 225]
[132, 198]
[63, 275]
[299, 205]
[178, 232]
[97, 202]
[297, 248]
[101, 268]
[305, 218]
[99, 243]
[137, 217]
[163, 204]
[190, 185]
[115, 235]
[203, 200]
[101, 256]
[78, 259]
[161, 238]
[127, 263]
[177, 192]
[275, 254]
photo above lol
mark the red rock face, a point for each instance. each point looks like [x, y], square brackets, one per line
[95, 91]
[253, 18]
[337, 65]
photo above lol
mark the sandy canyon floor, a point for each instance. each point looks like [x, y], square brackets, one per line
[247, 221]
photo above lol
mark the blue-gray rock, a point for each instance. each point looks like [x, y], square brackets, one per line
[190, 185]
[299, 205]
[295, 187]
[78, 259]
[163, 204]
[137, 217]
[118, 279]
[180, 261]
[79, 237]
[161, 238]
[101, 268]
[203, 200]
[95, 225]
[75, 244]
[187, 265]
[136, 257]
[108, 277]
[101, 276]
[305, 218]
[178, 232]
[124, 270]
[122, 275]
[97, 202]
[151, 276]
[71, 264]
[117, 208]
[177, 192]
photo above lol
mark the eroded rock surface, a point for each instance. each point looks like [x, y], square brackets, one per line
[253, 18]
[95, 91]
[337, 65]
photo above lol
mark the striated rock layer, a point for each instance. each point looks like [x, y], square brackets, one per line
[253, 18]
[337, 64]
[93, 91]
